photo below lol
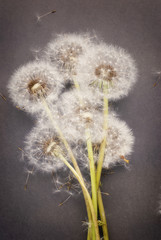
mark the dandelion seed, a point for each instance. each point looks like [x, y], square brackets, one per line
[104, 193]
[3, 97]
[87, 225]
[44, 15]
[20, 149]
[27, 179]
[62, 203]
[19, 108]
[36, 53]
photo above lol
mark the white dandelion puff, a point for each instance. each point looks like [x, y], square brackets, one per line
[33, 81]
[43, 147]
[65, 50]
[106, 64]
[120, 141]
[79, 110]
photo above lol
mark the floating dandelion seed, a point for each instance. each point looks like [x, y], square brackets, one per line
[27, 178]
[36, 53]
[20, 149]
[62, 203]
[44, 15]
[104, 193]
[20, 108]
[3, 97]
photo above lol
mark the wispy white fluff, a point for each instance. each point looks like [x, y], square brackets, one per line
[65, 50]
[40, 144]
[26, 94]
[120, 141]
[81, 109]
[107, 64]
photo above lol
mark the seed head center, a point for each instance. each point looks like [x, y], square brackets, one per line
[36, 87]
[105, 72]
[52, 147]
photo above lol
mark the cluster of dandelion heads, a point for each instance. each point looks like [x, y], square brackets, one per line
[64, 89]
[107, 64]
[32, 82]
[66, 49]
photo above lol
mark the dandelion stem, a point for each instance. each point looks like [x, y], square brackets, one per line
[91, 159]
[87, 195]
[92, 170]
[100, 163]
[102, 215]
[47, 109]
[104, 142]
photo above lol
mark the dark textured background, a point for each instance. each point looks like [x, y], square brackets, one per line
[132, 205]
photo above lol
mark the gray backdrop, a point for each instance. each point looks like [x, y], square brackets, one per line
[132, 204]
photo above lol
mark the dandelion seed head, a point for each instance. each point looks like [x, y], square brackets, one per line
[107, 64]
[66, 49]
[120, 142]
[33, 81]
[43, 147]
[78, 110]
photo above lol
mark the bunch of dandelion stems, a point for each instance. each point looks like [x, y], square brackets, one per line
[96, 202]
[96, 175]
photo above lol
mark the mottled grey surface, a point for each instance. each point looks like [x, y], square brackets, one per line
[132, 205]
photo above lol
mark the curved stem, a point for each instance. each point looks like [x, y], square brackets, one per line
[90, 157]
[47, 109]
[104, 142]
[102, 216]
[87, 195]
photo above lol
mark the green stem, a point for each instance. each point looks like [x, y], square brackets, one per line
[100, 163]
[92, 171]
[86, 193]
[102, 216]
[104, 142]
[48, 111]
[91, 160]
